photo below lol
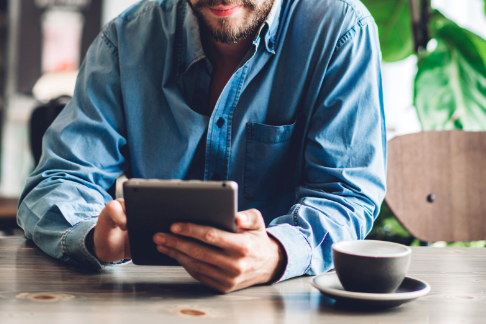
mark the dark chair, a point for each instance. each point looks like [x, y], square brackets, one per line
[42, 117]
[437, 184]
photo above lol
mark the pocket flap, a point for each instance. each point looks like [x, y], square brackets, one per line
[268, 133]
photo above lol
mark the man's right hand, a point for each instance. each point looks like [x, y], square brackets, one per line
[110, 234]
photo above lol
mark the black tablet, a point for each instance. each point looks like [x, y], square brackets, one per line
[152, 206]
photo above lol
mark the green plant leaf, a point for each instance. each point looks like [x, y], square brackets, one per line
[450, 86]
[394, 27]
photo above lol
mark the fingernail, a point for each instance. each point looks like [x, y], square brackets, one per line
[162, 249]
[160, 239]
[176, 228]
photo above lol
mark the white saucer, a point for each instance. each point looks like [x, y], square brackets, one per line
[410, 289]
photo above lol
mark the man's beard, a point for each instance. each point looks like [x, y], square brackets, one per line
[225, 32]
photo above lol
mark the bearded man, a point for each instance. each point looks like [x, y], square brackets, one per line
[282, 96]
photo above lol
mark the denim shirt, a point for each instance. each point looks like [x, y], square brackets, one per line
[299, 126]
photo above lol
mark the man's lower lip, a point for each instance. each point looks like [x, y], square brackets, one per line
[225, 12]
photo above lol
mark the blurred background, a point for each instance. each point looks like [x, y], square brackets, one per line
[43, 43]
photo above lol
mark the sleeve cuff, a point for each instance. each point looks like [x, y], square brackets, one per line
[74, 245]
[299, 251]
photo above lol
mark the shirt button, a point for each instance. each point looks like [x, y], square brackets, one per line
[220, 122]
[216, 177]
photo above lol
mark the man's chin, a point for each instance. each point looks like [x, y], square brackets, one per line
[226, 30]
[220, 28]
[226, 26]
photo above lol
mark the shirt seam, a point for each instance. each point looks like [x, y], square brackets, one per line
[270, 142]
[353, 31]
[311, 257]
[295, 216]
[109, 44]
[65, 235]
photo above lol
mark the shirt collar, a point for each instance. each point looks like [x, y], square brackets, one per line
[190, 49]
[272, 23]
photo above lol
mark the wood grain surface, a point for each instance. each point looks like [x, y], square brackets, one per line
[35, 288]
[451, 166]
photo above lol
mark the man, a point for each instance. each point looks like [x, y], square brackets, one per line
[282, 96]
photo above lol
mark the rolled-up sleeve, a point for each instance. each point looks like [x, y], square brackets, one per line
[344, 178]
[83, 154]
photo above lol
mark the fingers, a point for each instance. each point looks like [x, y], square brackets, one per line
[199, 251]
[203, 272]
[110, 238]
[209, 235]
[210, 282]
[121, 201]
[250, 219]
[115, 212]
[228, 261]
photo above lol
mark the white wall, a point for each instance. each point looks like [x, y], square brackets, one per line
[112, 8]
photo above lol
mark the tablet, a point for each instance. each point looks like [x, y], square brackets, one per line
[152, 206]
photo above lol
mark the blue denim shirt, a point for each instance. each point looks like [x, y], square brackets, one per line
[299, 126]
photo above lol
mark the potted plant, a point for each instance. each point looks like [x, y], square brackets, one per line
[450, 84]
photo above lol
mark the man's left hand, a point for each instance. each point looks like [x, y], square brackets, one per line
[222, 260]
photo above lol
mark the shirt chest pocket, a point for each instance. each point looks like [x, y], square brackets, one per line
[269, 162]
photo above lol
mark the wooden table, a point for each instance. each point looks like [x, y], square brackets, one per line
[37, 289]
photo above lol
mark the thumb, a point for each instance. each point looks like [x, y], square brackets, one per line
[250, 219]
[113, 215]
